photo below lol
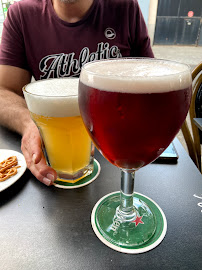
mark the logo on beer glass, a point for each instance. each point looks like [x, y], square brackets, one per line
[117, 222]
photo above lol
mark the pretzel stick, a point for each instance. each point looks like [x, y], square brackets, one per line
[8, 163]
[8, 173]
[8, 168]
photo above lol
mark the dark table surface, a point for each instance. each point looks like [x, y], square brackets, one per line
[49, 228]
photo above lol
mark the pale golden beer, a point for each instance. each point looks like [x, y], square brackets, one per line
[53, 105]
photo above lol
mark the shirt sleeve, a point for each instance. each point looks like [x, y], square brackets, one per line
[141, 46]
[12, 49]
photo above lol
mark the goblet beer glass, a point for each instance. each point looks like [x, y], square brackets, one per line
[132, 109]
[53, 106]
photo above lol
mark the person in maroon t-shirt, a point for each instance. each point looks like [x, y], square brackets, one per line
[54, 38]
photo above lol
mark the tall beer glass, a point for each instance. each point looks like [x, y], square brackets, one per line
[53, 105]
[132, 109]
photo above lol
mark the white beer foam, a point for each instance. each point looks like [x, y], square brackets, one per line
[53, 97]
[135, 75]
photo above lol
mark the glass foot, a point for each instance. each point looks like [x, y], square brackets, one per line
[141, 233]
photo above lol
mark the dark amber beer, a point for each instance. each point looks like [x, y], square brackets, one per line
[135, 109]
[132, 109]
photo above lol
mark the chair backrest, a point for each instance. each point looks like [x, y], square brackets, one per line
[191, 133]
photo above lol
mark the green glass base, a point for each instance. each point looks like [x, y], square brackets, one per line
[139, 235]
[83, 182]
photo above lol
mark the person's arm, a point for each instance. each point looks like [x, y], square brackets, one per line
[15, 116]
[13, 110]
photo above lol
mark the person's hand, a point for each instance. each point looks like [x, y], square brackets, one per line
[32, 151]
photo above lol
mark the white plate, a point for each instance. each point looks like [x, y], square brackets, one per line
[4, 154]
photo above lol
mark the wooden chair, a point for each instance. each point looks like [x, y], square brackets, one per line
[192, 137]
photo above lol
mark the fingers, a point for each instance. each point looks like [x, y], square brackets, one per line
[36, 163]
[43, 172]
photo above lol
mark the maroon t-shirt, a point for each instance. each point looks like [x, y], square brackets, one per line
[36, 39]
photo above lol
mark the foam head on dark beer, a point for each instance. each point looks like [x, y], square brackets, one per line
[136, 75]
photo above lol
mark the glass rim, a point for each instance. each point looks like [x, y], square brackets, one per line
[45, 95]
[188, 68]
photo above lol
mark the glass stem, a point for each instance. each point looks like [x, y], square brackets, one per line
[126, 210]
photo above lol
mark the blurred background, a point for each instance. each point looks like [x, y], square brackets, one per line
[169, 22]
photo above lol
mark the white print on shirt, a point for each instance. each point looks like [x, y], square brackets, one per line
[110, 33]
[64, 65]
